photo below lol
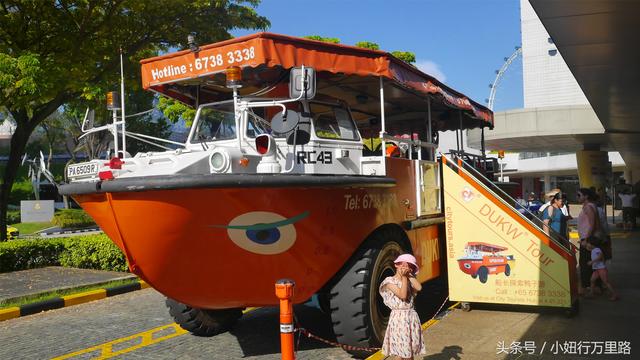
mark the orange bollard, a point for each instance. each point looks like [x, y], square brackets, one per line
[284, 292]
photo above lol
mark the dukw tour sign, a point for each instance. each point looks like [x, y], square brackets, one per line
[494, 257]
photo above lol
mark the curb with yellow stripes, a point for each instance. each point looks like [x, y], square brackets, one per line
[69, 300]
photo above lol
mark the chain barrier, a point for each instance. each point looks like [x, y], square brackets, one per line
[308, 334]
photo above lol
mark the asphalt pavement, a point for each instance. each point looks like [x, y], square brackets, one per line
[602, 329]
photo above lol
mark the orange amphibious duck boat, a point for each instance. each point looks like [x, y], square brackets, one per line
[282, 176]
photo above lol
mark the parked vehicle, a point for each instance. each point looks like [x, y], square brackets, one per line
[272, 181]
[12, 233]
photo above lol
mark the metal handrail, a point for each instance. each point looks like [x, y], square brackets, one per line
[500, 194]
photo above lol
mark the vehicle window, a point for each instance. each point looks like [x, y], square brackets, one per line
[257, 125]
[215, 125]
[332, 122]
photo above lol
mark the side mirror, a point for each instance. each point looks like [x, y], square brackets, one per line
[284, 124]
[302, 81]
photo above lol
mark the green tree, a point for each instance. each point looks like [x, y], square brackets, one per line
[325, 39]
[406, 56]
[368, 45]
[55, 52]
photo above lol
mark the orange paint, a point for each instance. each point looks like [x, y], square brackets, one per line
[178, 243]
[284, 292]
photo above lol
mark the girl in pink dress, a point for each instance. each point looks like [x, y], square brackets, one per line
[403, 337]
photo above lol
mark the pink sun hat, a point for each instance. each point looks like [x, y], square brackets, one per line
[408, 258]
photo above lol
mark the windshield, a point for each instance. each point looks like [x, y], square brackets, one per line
[332, 122]
[214, 124]
[219, 124]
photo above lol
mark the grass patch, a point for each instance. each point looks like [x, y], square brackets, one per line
[29, 299]
[31, 228]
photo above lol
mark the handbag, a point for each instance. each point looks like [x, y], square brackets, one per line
[607, 251]
[597, 237]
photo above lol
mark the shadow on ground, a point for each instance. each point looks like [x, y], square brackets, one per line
[258, 331]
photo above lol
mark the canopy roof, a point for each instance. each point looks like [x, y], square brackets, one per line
[348, 73]
[481, 246]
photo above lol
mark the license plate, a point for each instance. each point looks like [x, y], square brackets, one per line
[82, 170]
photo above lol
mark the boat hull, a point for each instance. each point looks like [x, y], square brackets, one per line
[210, 247]
[494, 265]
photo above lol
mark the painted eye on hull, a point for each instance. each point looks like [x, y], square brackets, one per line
[263, 232]
[264, 237]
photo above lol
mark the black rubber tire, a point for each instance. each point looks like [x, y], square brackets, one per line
[483, 274]
[473, 276]
[203, 322]
[507, 270]
[358, 315]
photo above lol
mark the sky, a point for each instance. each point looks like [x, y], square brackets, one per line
[461, 42]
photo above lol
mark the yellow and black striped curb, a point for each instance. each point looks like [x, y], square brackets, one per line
[69, 300]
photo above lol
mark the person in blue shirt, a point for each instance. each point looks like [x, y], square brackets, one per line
[554, 218]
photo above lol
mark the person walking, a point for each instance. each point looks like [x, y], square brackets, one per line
[628, 215]
[600, 271]
[554, 218]
[403, 337]
[587, 230]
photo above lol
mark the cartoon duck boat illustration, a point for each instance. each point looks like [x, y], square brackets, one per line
[482, 259]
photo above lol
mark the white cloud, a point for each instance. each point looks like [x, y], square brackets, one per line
[431, 68]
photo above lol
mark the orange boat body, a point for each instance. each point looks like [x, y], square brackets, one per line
[494, 264]
[181, 241]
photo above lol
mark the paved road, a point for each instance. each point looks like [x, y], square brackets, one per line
[64, 331]
[75, 329]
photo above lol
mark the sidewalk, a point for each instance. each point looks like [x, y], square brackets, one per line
[492, 332]
[32, 291]
[23, 283]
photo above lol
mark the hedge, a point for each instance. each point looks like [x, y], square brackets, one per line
[93, 252]
[87, 252]
[72, 219]
[29, 254]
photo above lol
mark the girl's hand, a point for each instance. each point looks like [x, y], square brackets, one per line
[406, 272]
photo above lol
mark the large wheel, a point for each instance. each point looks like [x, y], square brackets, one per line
[483, 274]
[203, 322]
[358, 313]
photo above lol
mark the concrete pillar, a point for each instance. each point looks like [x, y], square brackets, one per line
[593, 169]
[547, 183]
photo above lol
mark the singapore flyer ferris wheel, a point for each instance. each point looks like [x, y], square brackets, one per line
[500, 75]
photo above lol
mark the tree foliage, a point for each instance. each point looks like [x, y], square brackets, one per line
[324, 39]
[368, 45]
[406, 56]
[58, 52]
[175, 110]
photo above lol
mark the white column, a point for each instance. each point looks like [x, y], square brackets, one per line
[547, 183]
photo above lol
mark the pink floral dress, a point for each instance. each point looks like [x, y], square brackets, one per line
[404, 335]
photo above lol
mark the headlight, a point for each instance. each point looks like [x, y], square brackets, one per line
[219, 161]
